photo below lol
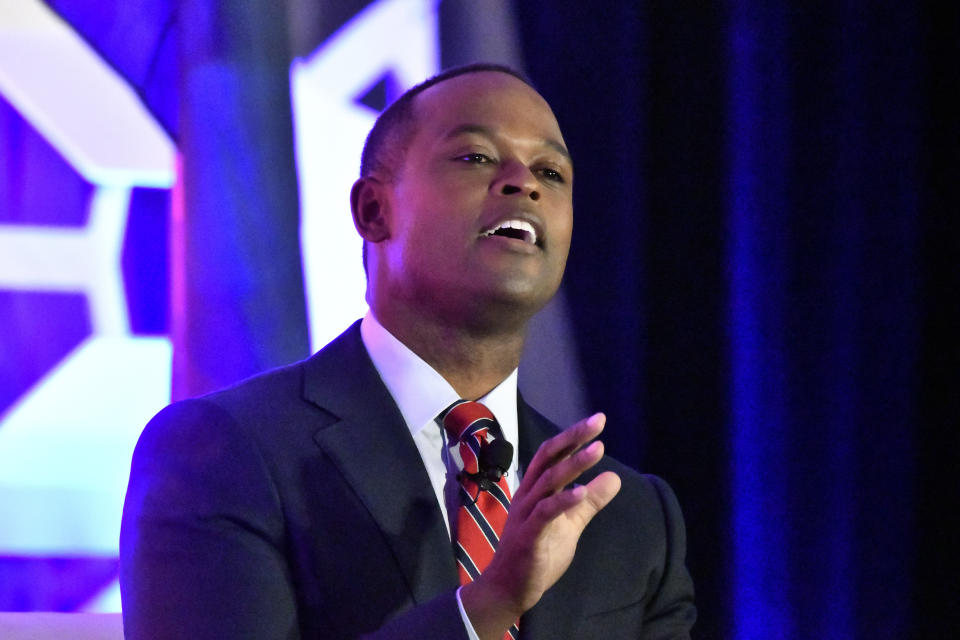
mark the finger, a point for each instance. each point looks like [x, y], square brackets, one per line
[563, 444]
[580, 503]
[602, 489]
[555, 478]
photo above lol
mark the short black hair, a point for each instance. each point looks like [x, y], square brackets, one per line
[395, 120]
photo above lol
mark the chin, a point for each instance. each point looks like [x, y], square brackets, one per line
[519, 299]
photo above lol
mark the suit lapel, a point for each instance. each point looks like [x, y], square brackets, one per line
[534, 429]
[371, 446]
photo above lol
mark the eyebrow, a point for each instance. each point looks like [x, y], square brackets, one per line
[488, 132]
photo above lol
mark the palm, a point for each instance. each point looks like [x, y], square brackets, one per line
[546, 520]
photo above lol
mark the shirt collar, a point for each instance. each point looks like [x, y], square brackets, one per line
[420, 392]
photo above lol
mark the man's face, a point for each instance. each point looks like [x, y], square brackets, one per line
[481, 210]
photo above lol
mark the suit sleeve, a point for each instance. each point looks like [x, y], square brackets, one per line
[203, 551]
[201, 537]
[671, 613]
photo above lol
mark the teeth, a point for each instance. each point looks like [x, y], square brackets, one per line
[519, 225]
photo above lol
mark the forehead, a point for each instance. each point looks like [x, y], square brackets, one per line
[489, 100]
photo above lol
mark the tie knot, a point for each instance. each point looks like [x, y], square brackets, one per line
[466, 419]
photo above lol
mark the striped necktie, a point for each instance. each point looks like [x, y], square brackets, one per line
[483, 509]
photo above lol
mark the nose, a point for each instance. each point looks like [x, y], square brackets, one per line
[516, 179]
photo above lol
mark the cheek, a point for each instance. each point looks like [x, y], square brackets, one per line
[427, 247]
[563, 229]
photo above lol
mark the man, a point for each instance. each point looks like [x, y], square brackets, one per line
[315, 500]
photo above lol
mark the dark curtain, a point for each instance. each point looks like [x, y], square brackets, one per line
[766, 260]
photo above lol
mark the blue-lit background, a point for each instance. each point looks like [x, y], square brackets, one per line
[761, 292]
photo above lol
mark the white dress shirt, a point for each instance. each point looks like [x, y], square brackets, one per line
[422, 394]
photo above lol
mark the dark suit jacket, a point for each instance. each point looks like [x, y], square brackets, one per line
[295, 505]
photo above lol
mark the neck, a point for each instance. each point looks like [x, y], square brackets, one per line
[473, 360]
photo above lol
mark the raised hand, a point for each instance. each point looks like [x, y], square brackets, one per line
[540, 537]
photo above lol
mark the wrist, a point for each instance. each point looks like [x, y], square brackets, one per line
[491, 611]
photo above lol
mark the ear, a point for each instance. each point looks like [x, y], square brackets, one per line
[370, 209]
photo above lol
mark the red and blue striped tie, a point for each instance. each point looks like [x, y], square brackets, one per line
[482, 513]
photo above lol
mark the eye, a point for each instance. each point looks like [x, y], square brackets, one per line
[475, 158]
[552, 175]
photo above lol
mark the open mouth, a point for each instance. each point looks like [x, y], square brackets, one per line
[516, 229]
